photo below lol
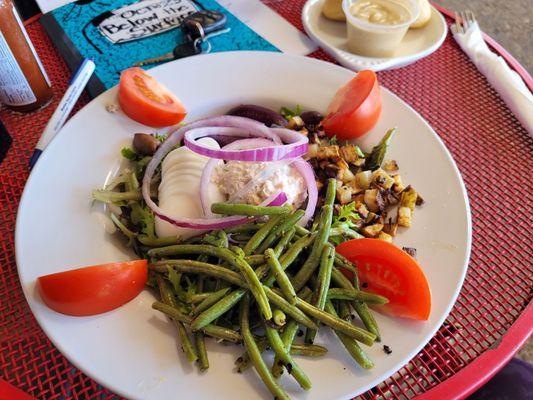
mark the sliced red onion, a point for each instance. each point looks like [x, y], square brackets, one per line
[296, 144]
[306, 170]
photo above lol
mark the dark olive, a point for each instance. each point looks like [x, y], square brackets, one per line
[145, 144]
[311, 118]
[259, 113]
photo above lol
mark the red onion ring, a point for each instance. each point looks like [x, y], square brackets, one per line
[306, 170]
[296, 145]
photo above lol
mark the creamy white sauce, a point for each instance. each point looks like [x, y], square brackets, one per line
[233, 176]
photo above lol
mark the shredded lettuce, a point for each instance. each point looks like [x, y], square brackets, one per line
[129, 153]
[343, 224]
[288, 113]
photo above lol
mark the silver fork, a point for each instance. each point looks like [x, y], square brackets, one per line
[463, 20]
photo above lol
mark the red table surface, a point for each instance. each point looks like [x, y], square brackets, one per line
[492, 316]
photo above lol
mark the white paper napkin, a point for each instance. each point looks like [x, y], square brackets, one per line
[507, 82]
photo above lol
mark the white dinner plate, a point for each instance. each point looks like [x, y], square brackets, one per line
[133, 350]
[331, 36]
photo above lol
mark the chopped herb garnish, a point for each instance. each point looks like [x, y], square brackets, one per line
[128, 153]
[287, 113]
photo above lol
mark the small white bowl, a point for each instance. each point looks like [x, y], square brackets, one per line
[331, 36]
[377, 40]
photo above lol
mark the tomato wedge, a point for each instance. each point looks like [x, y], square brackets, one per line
[355, 109]
[145, 100]
[390, 272]
[93, 290]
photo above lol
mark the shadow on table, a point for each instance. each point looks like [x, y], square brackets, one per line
[513, 382]
[5, 142]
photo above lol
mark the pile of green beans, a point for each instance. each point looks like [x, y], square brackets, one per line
[282, 279]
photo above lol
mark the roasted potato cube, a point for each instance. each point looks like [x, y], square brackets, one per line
[385, 237]
[361, 209]
[345, 175]
[382, 179]
[390, 166]
[350, 153]
[295, 123]
[390, 228]
[397, 186]
[372, 231]
[326, 152]
[419, 200]
[404, 216]
[363, 178]
[312, 151]
[374, 200]
[409, 197]
[344, 194]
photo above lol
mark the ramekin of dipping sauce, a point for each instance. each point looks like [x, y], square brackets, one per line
[375, 28]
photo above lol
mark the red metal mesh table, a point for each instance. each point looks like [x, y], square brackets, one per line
[492, 316]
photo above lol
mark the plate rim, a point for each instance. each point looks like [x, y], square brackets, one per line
[297, 58]
[384, 63]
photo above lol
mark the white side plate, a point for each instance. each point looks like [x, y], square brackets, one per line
[133, 350]
[331, 36]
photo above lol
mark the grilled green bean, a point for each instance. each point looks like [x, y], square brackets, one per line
[227, 255]
[255, 259]
[217, 309]
[194, 298]
[321, 292]
[309, 350]
[336, 323]
[284, 242]
[350, 344]
[261, 234]
[198, 267]
[368, 319]
[245, 228]
[343, 262]
[203, 360]
[324, 226]
[210, 330]
[288, 223]
[210, 300]
[287, 337]
[279, 317]
[157, 241]
[349, 294]
[292, 367]
[248, 209]
[290, 255]
[282, 279]
[255, 355]
[167, 297]
[289, 309]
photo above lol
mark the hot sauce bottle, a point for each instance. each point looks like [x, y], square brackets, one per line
[24, 85]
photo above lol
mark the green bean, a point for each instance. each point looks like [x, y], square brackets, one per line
[203, 360]
[350, 344]
[210, 300]
[167, 297]
[361, 308]
[343, 262]
[227, 255]
[305, 294]
[198, 267]
[217, 309]
[309, 350]
[281, 277]
[255, 259]
[284, 242]
[310, 265]
[288, 223]
[279, 317]
[261, 234]
[210, 330]
[157, 241]
[248, 209]
[194, 298]
[255, 354]
[349, 294]
[321, 292]
[290, 255]
[367, 318]
[287, 337]
[244, 228]
[336, 323]
[218, 239]
[292, 367]
[289, 309]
